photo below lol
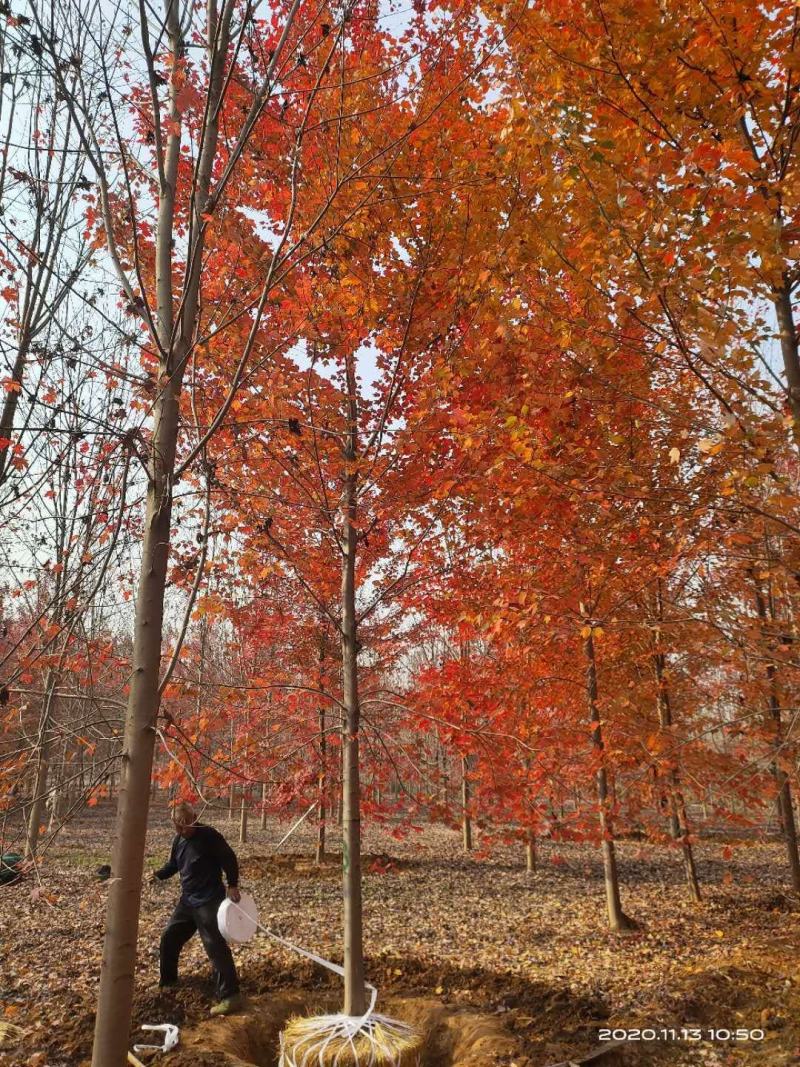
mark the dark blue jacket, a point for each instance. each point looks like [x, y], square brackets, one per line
[200, 861]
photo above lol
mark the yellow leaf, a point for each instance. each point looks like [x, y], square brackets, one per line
[710, 447]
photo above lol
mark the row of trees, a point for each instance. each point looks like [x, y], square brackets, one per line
[396, 398]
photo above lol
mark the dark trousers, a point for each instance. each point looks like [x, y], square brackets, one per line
[182, 924]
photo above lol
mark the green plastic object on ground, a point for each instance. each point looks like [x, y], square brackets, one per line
[8, 867]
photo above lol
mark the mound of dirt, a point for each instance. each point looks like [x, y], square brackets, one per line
[251, 1039]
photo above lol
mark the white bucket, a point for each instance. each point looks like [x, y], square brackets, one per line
[238, 922]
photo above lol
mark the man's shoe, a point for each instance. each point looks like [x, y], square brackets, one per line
[168, 985]
[227, 1006]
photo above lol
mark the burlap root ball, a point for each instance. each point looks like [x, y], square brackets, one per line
[381, 1042]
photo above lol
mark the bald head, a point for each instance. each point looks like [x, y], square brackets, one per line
[184, 818]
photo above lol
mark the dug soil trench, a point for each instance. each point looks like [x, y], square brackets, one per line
[251, 1039]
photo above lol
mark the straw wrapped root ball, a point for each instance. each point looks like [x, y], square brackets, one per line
[9, 1033]
[339, 1041]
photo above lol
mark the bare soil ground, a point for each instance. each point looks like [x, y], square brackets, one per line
[498, 967]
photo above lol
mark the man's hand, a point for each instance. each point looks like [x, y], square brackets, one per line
[234, 894]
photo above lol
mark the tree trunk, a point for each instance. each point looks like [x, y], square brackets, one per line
[785, 799]
[354, 997]
[59, 803]
[340, 796]
[689, 866]
[243, 821]
[40, 782]
[782, 301]
[784, 792]
[466, 820]
[677, 808]
[530, 852]
[354, 991]
[122, 917]
[38, 804]
[10, 403]
[778, 806]
[55, 807]
[264, 806]
[321, 786]
[617, 920]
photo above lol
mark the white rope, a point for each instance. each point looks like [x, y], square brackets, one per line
[335, 967]
[321, 1031]
[302, 818]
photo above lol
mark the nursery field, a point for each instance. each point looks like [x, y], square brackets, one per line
[497, 966]
[400, 425]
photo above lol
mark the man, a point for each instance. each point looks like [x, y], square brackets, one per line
[200, 854]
